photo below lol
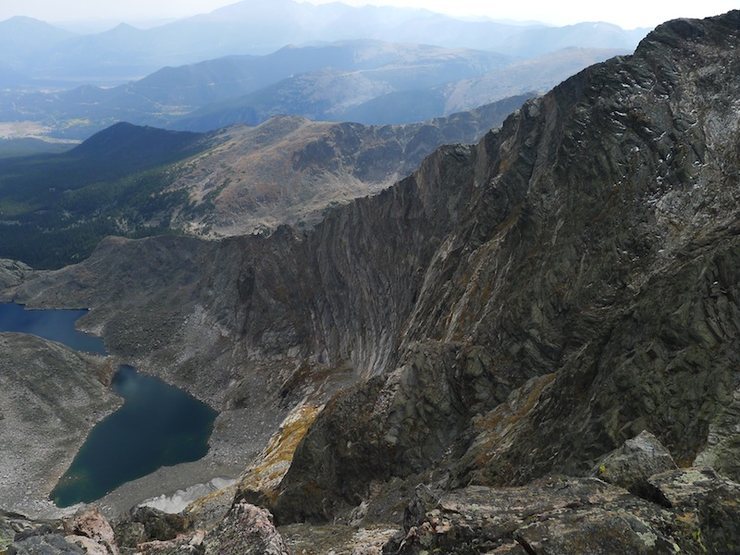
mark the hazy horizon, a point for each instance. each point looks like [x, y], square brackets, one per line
[93, 15]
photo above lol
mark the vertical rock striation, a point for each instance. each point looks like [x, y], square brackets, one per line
[512, 309]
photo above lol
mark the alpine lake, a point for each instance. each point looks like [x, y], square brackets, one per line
[157, 425]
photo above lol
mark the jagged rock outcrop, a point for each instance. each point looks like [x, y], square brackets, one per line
[559, 515]
[12, 273]
[599, 250]
[262, 478]
[85, 532]
[633, 463]
[512, 309]
[246, 530]
[89, 530]
[145, 524]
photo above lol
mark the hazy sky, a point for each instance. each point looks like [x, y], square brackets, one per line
[627, 13]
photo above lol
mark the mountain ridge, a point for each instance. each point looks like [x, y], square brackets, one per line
[143, 181]
[526, 307]
[169, 93]
[241, 29]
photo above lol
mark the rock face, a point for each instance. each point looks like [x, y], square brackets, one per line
[261, 480]
[578, 515]
[246, 530]
[50, 398]
[511, 310]
[592, 250]
[633, 463]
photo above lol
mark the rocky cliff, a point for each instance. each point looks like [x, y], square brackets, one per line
[510, 311]
[585, 291]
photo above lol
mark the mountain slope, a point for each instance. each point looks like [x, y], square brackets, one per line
[14, 148]
[54, 208]
[393, 94]
[120, 150]
[21, 37]
[134, 181]
[51, 397]
[512, 309]
[536, 42]
[541, 74]
[223, 78]
[289, 170]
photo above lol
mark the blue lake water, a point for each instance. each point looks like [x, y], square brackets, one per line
[57, 325]
[158, 424]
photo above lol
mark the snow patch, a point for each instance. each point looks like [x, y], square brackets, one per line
[178, 501]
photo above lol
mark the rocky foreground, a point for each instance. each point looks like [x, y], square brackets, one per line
[470, 361]
[637, 501]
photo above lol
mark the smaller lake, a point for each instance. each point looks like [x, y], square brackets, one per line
[158, 425]
[56, 325]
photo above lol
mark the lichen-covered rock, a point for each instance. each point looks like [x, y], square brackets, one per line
[130, 534]
[633, 463]
[159, 525]
[706, 501]
[86, 532]
[91, 547]
[306, 539]
[91, 524]
[51, 544]
[207, 511]
[7, 534]
[246, 530]
[562, 516]
[262, 479]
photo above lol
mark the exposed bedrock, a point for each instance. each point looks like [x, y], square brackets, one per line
[591, 275]
[511, 310]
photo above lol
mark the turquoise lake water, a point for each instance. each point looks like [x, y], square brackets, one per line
[158, 424]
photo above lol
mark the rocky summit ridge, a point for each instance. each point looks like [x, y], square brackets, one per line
[491, 337]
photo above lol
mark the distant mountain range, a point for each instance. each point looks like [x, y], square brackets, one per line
[375, 98]
[45, 52]
[366, 81]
